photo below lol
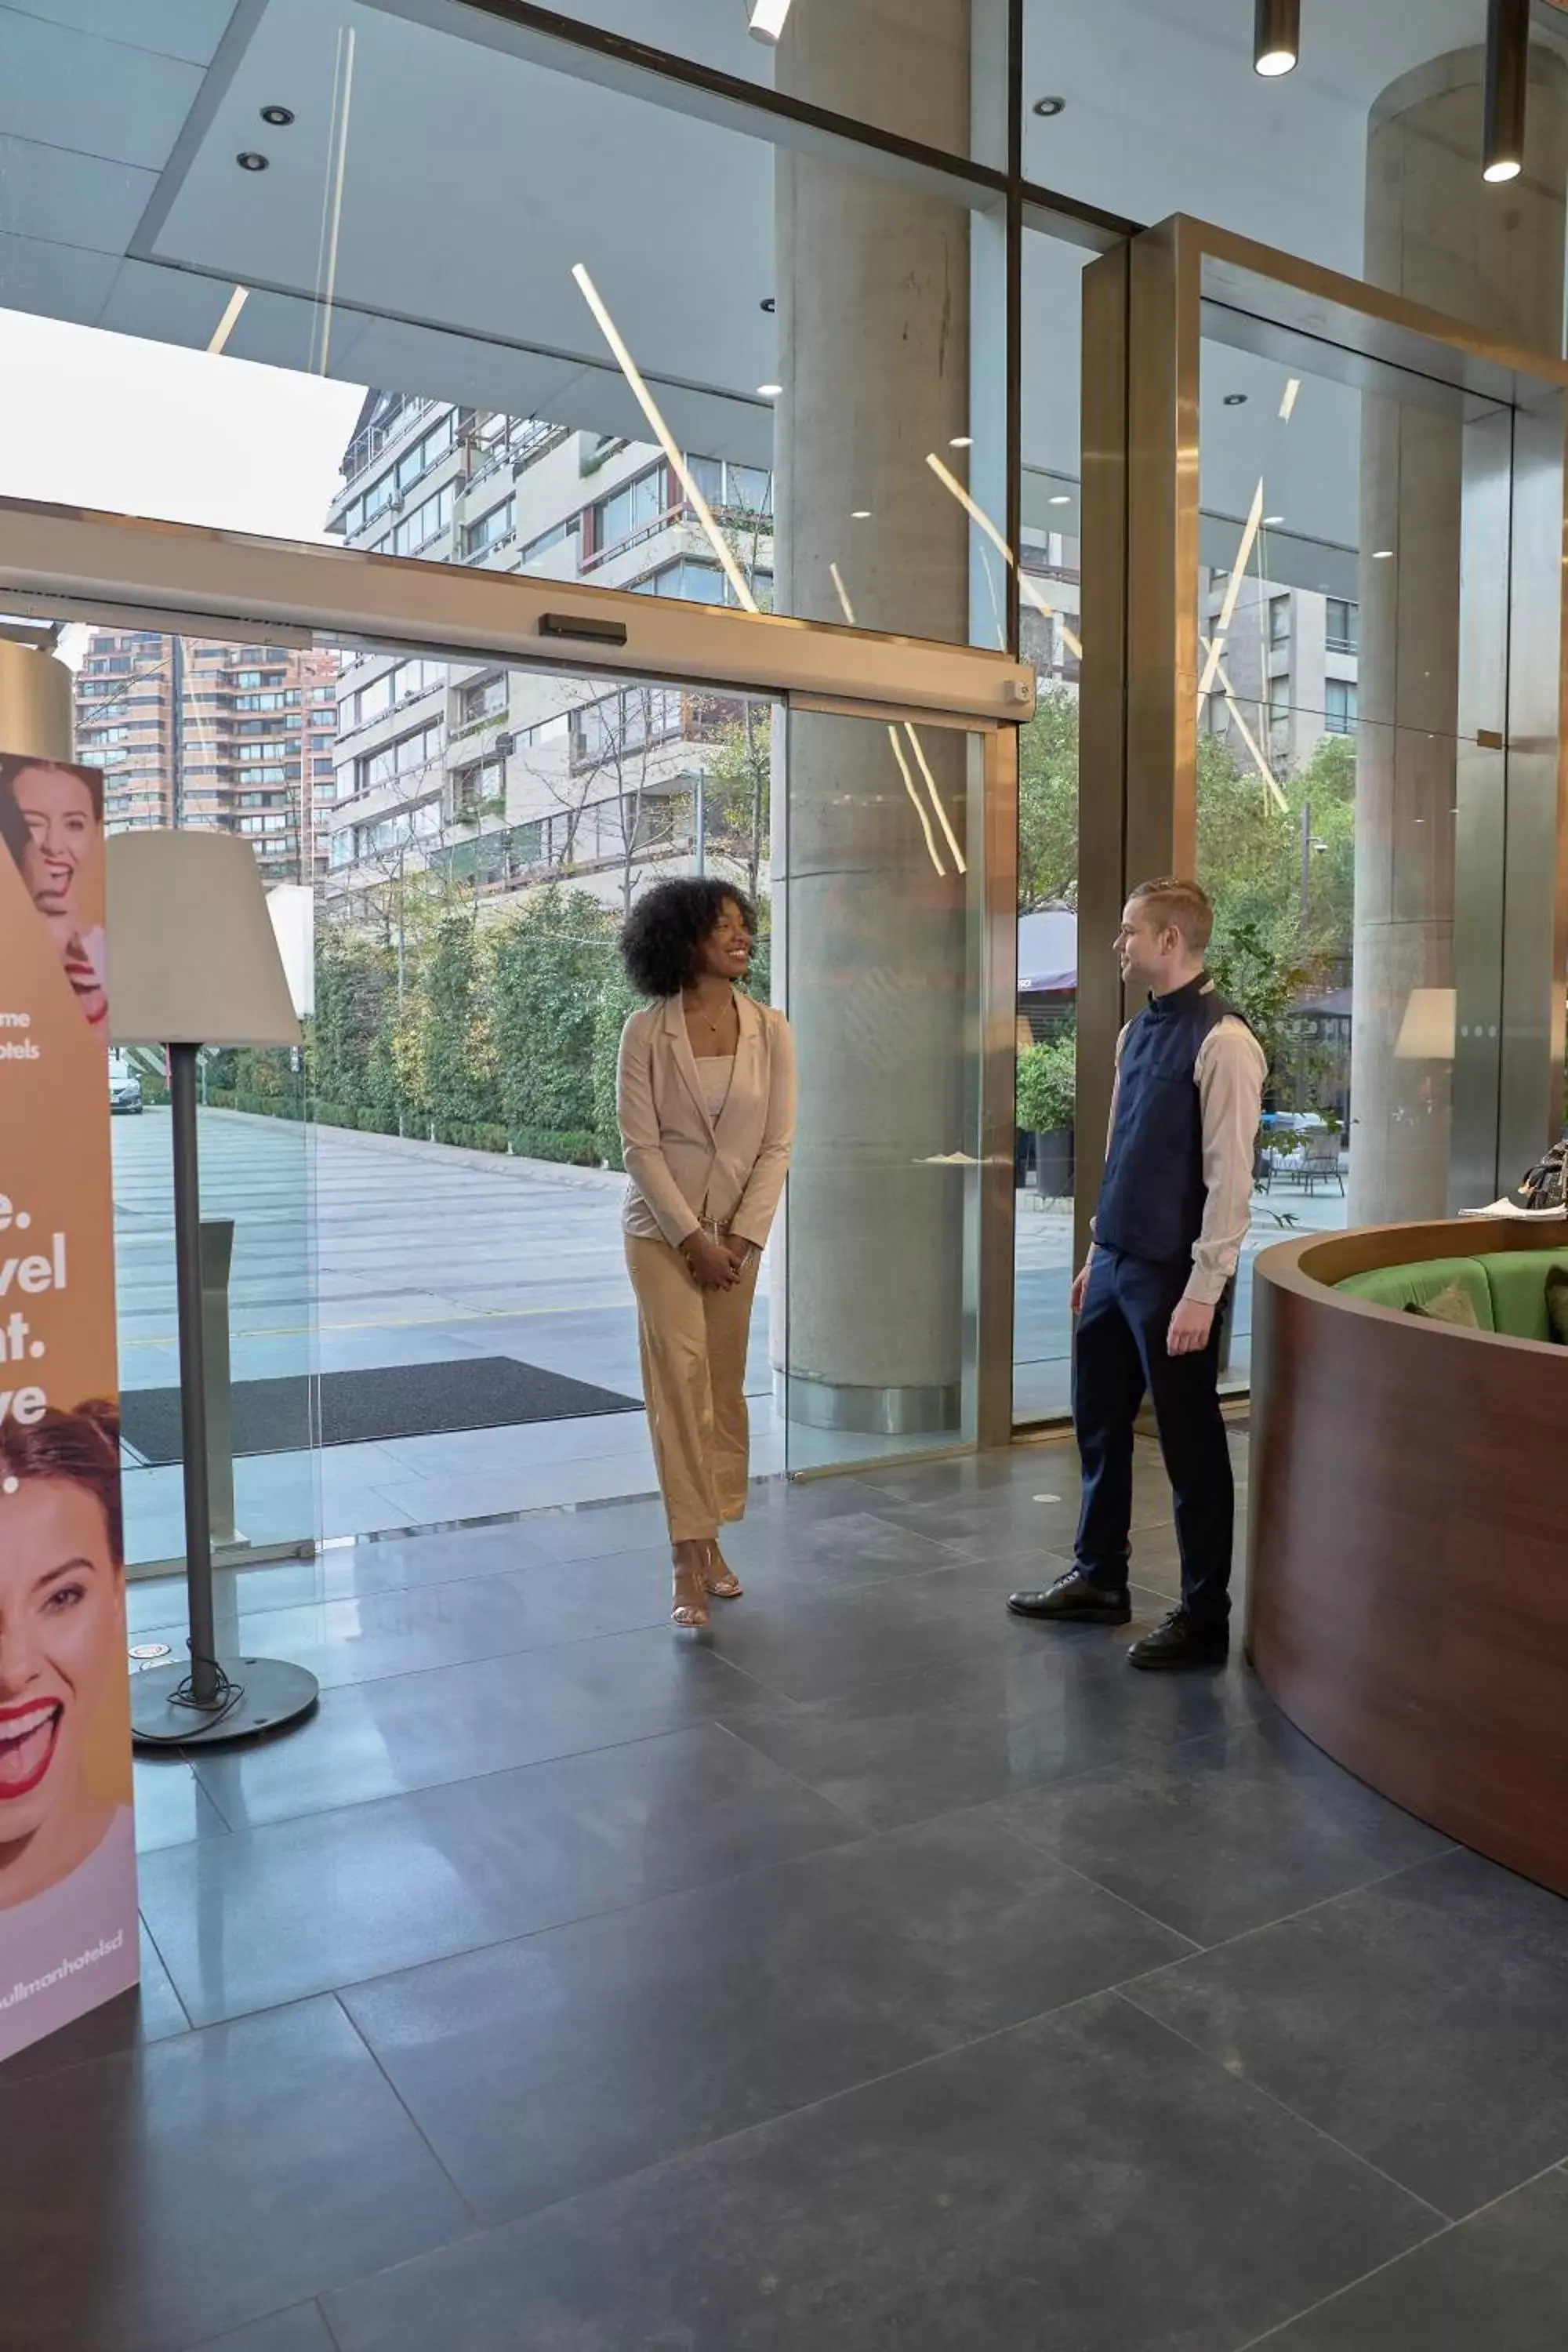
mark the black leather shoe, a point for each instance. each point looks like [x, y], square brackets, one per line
[1073, 1599]
[1180, 1642]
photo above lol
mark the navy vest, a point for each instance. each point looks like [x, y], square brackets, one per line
[1152, 1200]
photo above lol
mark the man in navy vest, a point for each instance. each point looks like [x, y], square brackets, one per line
[1172, 1215]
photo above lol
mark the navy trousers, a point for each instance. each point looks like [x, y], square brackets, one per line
[1120, 1354]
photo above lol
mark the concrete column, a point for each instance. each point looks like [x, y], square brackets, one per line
[34, 702]
[873, 295]
[1494, 255]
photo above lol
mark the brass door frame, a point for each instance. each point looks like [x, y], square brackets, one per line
[1148, 307]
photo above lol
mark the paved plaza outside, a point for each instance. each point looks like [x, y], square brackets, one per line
[356, 1251]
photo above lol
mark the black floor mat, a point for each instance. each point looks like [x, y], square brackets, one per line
[358, 1408]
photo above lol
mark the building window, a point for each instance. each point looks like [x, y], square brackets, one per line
[548, 540]
[398, 758]
[1344, 629]
[626, 512]
[482, 699]
[745, 489]
[1279, 620]
[425, 522]
[1340, 706]
[1279, 699]
[700, 583]
[490, 529]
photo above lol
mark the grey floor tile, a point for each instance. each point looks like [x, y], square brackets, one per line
[172, 1807]
[419, 1626]
[454, 1723]
[852, 1546]
[152, 2012]
[959, 1735]
[1498, 2281]
[271, 1915]
[543, 2068]
[303, 2329]
[1420, 2022]
[214, 2178]
[1218, 1835]
[1088, 2180]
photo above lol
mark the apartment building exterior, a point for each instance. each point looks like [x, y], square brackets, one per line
[506, 780]
[236, 737]
[1290, 660]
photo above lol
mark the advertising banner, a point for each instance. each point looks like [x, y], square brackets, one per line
[68, 1860]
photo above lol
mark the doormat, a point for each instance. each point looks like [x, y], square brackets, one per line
[358, 1408]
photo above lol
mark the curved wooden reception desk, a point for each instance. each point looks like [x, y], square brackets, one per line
[1408, 1580]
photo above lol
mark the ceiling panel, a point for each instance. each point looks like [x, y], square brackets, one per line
[99, 96]
[191, 30]
[62, 281]
[47, 192]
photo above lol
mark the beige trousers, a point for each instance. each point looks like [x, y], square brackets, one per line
[693, 1346]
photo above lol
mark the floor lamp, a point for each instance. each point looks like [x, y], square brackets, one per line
[193, 962]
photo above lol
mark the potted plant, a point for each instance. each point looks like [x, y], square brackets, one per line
[1046, 1097]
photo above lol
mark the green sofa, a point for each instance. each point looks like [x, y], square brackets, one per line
[1507, 1291]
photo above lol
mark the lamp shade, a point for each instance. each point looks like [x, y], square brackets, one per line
[1427, 1031]
[193, 956]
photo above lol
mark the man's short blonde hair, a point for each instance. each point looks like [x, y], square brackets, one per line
[1182, 906]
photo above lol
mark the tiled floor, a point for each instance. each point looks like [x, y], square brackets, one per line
[881, 1972]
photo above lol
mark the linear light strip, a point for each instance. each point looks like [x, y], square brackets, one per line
[1026, 587]
[936, 801]
[665, 439]
[918, 803]
[1262, 764]
[848, 610]
[225, 325]
[1233, 591]
[332, 202]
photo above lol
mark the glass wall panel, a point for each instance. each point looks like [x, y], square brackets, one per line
[1050, 616]
[629, 345]
[878, 907]
[1366, 158]
[192, 733]
[1353, 630]
[933, 70]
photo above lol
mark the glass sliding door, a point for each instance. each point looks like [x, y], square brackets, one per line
[879, 903]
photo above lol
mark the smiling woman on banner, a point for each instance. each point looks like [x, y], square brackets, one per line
[51, 815]
[62, 1570]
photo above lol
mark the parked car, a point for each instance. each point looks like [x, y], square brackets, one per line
[124, 1086]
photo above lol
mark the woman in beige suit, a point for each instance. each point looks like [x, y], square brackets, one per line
[705, 1098]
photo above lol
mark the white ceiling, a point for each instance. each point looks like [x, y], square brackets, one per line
[475, 179]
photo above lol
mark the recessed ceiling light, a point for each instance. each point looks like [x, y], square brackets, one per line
[1291, 394]
[1048, 107]
[860, 514]
[1383, 554]
[962, 441]
[768, 391]
[1235, 400]
[1271, 521]
[1062, 498]
[249, 161]
[280, 117]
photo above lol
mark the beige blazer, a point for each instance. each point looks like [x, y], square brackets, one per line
[685, 1169]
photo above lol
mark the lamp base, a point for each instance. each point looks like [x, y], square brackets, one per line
[272, 1694]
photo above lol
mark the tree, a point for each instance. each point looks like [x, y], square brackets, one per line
[551, 968]
[1047, 803]
[737, 787]
[457, 1058]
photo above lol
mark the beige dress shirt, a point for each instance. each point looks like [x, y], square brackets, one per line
[1230, 1071]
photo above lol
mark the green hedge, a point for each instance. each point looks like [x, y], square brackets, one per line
[567, 1149]
[468, 1135]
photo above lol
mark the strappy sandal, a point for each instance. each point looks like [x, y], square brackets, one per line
[688, 1609]
[720, 1578]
